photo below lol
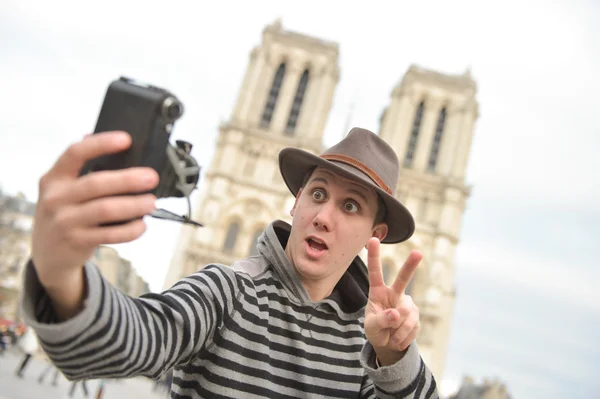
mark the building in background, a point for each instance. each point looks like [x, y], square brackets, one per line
[429, 122]
[16, 221]
[119, 272]
[284, 100]
[488, 389]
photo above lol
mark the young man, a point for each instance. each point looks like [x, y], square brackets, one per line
[304, 318]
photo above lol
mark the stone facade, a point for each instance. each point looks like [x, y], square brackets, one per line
[429, 123]
[119, 272]
[16, 221]
[284, 100]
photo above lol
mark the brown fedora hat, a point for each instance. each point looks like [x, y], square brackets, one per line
[361, 156]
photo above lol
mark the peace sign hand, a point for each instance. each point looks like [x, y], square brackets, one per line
[391, 317]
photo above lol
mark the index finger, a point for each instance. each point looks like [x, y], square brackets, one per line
[374, 263]
[91, 146]
[407, 271]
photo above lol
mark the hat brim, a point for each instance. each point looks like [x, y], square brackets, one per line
[294, 163]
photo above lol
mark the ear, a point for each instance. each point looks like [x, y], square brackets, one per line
[293, 210]
[380, 231]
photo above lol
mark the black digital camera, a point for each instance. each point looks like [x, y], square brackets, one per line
[148, 114]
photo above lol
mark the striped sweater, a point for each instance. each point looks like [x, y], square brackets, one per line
[248, 330]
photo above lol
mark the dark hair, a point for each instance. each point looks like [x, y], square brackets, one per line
[381, 208]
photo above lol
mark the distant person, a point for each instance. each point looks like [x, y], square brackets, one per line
[305, 318]
[8, 337]
[3, 339]
[49, 368]
[83, 387]
[29, 345]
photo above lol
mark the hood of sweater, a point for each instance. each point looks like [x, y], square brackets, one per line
[351, 291]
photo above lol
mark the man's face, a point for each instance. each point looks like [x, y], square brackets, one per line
[332, 221]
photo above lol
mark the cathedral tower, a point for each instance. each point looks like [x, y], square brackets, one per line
[429, 123]
[284, 100]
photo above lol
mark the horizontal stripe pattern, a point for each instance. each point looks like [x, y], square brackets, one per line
[229, 336]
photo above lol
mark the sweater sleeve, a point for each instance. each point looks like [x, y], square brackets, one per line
[117, 336]
[408, 378]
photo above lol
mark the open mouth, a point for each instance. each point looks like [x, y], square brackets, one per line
[316, 244]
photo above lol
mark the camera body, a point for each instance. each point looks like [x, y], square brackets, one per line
[148, 114]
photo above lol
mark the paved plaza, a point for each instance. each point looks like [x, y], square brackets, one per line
[28, 387]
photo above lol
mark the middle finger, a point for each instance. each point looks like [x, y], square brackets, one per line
[113, 182]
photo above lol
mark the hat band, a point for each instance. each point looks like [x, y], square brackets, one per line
[360, 166]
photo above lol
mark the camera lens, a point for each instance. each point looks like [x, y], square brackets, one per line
[175, 110]
[172, 108]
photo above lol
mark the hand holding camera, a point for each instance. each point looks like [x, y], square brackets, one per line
[72, 210]
[101, 187]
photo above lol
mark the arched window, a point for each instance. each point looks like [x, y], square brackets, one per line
[437, 139]
[231, 237]
[273, 94]
[298, 98]
[414, 135]
[253, 250]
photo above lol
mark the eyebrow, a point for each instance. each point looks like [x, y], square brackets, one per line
[358, 192]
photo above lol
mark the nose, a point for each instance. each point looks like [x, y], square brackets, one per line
[324, 218]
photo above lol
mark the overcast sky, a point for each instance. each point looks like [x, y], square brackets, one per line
[528, 307]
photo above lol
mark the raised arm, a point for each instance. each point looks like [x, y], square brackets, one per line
[88, 327]
[71, 209]
[115, 336]
[393, 366]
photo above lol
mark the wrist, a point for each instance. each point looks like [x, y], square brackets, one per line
[58, 280]
[67, 291]
[385, 357]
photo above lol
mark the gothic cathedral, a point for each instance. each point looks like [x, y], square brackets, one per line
[285, 99]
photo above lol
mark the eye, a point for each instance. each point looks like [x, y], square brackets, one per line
[318, 195]
[351, 206]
